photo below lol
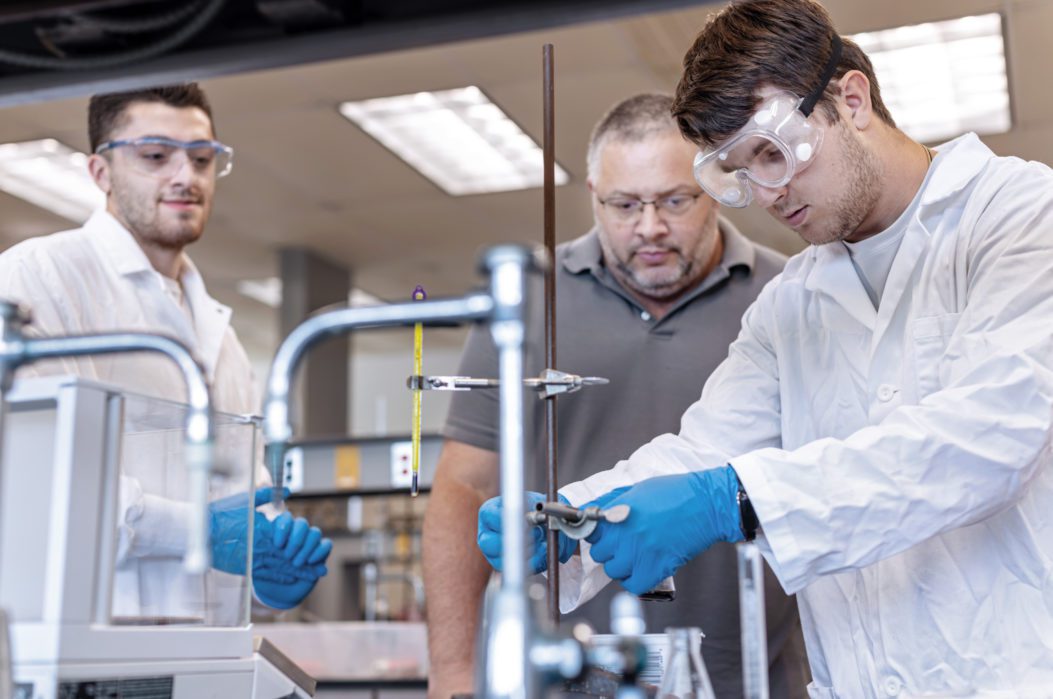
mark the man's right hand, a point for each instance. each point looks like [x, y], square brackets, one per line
[489, 535]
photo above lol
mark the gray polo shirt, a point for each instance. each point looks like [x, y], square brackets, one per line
[656, 370]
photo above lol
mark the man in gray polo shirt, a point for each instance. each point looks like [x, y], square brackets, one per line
[650, 298]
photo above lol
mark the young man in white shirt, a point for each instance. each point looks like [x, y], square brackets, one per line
[155, 156]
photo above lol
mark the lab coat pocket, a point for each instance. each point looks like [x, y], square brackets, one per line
[817, 692]
[931, 335]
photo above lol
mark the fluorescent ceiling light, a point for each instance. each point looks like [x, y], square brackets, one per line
[941, 79]
[269, 292]
[458, 139]
[50, 175]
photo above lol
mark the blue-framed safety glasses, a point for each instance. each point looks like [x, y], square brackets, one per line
[162, 157]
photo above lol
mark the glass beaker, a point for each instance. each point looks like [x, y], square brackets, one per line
[685, 674]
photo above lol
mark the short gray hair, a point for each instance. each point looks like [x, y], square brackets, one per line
[633, 119]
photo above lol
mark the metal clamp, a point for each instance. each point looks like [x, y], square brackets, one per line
[575, 523]
[448, 383]
[551, 382]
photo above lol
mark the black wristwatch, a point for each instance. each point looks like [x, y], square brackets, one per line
[747, 517]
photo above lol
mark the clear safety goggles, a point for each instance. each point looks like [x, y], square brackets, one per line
[775, 144]
[162, 157]
[778, 141]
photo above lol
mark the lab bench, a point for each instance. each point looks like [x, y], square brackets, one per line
[357, 660]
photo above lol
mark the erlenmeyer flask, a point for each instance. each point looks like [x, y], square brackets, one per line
[685, 674]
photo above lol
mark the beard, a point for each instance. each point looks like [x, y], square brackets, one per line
[143, 216]
[688, 264]
[859, 171]
[658, 282]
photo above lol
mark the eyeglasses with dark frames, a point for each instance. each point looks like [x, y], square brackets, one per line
[630, 209]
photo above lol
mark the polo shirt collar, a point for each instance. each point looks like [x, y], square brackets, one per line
[738, 250]
[584, 254]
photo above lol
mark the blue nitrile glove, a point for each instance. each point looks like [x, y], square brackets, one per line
[228, 525]
[672, 520]
[284, 575]
[288, 555]
[489, 536]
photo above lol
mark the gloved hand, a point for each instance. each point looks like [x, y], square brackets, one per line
[228, 520]
[489, 536]
[672, 520]
[283, 576]
[288, 555]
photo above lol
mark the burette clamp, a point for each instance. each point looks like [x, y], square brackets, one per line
[577, 523]
[551, 382]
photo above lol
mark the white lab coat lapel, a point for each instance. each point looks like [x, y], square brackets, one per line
[834, 276]
[955, 170]
[211, 318]
[155, 309]
[170, 313]
[900, 282]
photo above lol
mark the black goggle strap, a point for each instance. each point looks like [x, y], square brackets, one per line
[809, 102]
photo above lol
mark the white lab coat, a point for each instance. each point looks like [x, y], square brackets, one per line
[899, 460]
[97, 279]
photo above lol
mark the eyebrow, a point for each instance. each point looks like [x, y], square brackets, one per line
[764, 143]
[168, 138]
[146, 135]
[760, 146]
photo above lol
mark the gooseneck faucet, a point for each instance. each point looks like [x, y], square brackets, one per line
[503, 307]
[18, 349]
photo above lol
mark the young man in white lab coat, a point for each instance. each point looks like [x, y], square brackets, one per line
[883, 422]
[125, 269]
